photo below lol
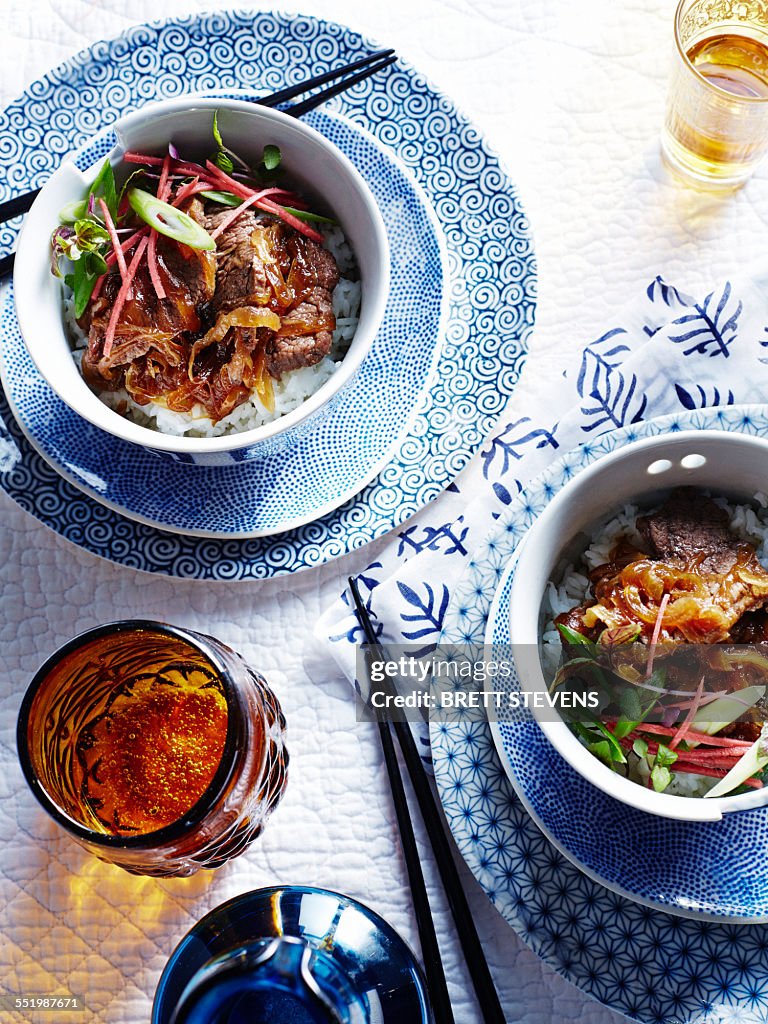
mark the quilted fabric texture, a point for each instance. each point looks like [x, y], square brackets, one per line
[571, 96]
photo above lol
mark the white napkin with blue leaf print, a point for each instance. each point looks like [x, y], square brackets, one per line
[666, 353]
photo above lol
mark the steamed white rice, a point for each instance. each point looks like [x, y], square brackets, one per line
[748, 522]
[289, 392]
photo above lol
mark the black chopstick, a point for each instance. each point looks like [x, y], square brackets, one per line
[437, 986]
[19, 204]
[485, 990]
[298, 109]
[370, 65]
[276, 98]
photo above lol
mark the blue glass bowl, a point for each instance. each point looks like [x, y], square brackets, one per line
[246, 951]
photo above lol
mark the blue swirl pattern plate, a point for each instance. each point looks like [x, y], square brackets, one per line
[649, 964]
[489, 253]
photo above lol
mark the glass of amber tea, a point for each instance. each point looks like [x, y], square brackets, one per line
[156, 748]
[716, 127]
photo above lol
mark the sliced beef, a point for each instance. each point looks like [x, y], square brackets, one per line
[311, 265]
[188, 272]
[752, 628]
[689, 528]
[149, 327]
[691, 531]
[263, 262]
[263, 268]
[241, 278]
[749, 729]
[305, 336]
[751, 723]
[285, 354]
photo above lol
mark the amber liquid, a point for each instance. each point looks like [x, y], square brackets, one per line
[737, 64]
[725, 135]
[135, 727]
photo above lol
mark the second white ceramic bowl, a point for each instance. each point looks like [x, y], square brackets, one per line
[734, 465]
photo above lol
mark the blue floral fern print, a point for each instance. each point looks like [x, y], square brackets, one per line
[448, 538]
[430, 610]
[659, 290]
[703, 398]
[711, 327]
[611, 398]
[510, 445]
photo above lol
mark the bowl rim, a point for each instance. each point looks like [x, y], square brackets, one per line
[525, 652]
[104, 418]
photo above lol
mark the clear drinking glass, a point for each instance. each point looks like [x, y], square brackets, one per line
[156, 748]
[716, 127]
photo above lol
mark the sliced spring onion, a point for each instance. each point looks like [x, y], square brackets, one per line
[169, 221]
[750, 763]
[722, 712]
[225, 198]
[312, 218]
[73, 211]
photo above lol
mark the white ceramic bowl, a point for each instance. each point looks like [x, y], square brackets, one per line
[734, 465]
[313, 162]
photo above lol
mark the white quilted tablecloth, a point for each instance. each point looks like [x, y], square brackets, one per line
[571, 96]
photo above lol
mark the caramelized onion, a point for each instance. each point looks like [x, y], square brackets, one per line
[243, 316]
[702, 606]
[263, 240]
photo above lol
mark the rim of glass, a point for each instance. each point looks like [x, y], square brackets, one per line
[214, 789]
[701, 78]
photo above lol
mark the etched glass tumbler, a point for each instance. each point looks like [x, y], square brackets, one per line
[716, 127]
[156, 748]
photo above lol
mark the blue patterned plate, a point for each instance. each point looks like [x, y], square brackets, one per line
[489, 254]
[643, 962]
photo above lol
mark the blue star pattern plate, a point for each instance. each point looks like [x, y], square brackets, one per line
[318, 469]
[650, 965]
[489, 254]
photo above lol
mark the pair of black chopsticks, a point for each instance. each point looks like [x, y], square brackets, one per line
[487, 997]
[363, 68]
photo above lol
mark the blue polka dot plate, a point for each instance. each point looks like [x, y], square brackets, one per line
[661, 921]
[425, 157]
